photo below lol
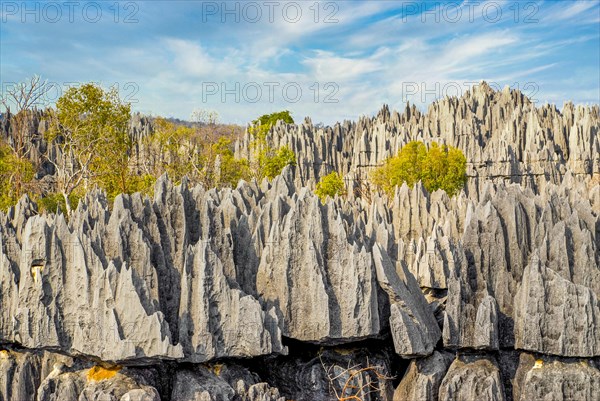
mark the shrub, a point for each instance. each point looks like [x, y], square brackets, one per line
[269, 161]
[273, 161]
[330, 185]
[51, 202]
[231, 170]
[16, 175]
[263, 124]
[440, 167]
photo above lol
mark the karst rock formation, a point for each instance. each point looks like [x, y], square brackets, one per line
[263, 292]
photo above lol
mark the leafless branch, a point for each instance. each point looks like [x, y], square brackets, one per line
[353, 387]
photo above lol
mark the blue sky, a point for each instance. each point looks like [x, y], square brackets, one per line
[329, 60]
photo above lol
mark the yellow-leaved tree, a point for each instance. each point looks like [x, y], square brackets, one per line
[90, 129]
[13, 170]
[270, 161]
[330, 185]
[439, 167]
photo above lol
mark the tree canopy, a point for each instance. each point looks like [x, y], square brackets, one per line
[263, 124]
[439, 167]
[90, 128]
[89, 144]
[13, 170]
[330, 185]
[270, 161]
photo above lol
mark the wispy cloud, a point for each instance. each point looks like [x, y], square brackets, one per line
[370, 50]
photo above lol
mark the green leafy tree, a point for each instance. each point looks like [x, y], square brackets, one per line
[270, 161]
[440, 167]
[51, 202]
[273, 161]
[204, 154]
[262, 125]
[90, 128]
[330, 185]
[229, 170]
[13, 169]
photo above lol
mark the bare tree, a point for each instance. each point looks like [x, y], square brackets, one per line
[207, 135]
[356, 382]
[24, 96]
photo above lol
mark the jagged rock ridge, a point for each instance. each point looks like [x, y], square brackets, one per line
[253, 292]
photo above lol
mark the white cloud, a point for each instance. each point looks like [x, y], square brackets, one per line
[193, 60]
[327, 66]
[574, 9]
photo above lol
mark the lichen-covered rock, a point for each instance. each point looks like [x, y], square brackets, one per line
[553, 379]
[472, 378]
[98, 383]
[423, 378]
[221, 383]
[45, 376]
[556, 316]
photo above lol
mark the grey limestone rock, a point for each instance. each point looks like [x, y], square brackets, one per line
[562, 321]
[509, 266]
[472, 378]
[548, 378]
[423, 378]
[221, 383]
[414, 329]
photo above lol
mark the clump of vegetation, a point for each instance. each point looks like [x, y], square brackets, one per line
[270, 161]
[228, 169]
[16, 173]
[90, 128]
[51, 202]
[330, 185]
[262, 125]
[440, 167]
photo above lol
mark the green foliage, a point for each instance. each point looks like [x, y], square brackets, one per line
[263, 124]
[16, 173]
[51, 202]
[89, 114]
[330, 185]
[231, 170]
[92, 131]
[90, 128]
[273, 161]
[202, 154]
[271, 119]
[440, 167]
[269, 161]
